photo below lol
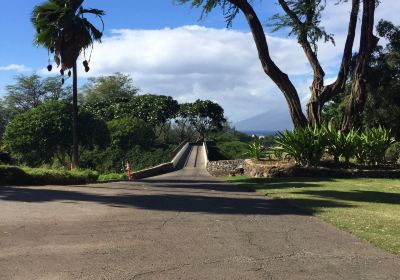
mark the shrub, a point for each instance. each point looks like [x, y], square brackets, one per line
[5, 158]
[373, 144]
[305, 145]
[39, 135]
[232, 150]
[255, 150]
[112, 158]
[341, 144]
[12, 175]
[393, 153]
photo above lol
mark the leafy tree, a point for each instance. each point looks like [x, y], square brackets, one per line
[38, 135]
[382, 102]
[62, 27]
[204, 115]
[302, 18]
[3, 118]
[31, 91]
[128, 132]
[108, 110]
[155, 109]
[114, 87]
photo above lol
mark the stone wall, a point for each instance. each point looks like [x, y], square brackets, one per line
[225, 167]
[272, 169]
[265, 168]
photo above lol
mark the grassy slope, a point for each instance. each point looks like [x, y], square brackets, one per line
[367, 208]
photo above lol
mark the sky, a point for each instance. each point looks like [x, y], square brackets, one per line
[167, 50]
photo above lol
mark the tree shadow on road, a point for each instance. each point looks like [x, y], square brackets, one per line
[356, 196]
[211, 204]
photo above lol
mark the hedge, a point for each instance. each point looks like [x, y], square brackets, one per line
[13, 175]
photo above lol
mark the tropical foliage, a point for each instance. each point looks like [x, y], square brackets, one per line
[38, 136]
[63, 28]
[307, 146]
[255, 150]
[340, 144]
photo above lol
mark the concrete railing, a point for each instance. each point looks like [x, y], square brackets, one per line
[178, 157]
[164, 167]
[205, 152]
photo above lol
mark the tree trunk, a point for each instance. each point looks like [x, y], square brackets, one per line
[321, 94]
[368, 42]
[75, 142]
[280, 78]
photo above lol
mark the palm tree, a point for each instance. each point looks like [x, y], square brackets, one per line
[62, 27]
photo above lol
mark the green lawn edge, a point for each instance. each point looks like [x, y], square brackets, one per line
[366, 208]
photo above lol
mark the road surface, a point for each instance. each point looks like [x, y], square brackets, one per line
[182, 225]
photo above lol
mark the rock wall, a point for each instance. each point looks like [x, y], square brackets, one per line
[272, 169]
[265, 168]
[225, 167]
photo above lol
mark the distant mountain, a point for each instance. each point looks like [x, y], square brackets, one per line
[270, 121]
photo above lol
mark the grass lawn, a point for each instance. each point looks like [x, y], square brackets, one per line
[367, 208]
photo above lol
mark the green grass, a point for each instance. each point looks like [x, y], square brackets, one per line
[367, 208]
[15, 175]
[112, 177]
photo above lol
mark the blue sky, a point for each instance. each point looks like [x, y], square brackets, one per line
[168, 51]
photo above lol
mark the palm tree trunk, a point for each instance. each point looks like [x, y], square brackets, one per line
[75, 148]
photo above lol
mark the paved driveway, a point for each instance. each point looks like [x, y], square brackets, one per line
[183, 225]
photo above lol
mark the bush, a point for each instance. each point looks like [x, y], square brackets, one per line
[306, 145]
[5, 158]
[341, 144]
[228, 150]
[255, 150]
[373, 144]
[12, 175]
[393, 153]
[112, 159]
[39, 135]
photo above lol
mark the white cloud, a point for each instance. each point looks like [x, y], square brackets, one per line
[15, 68]
[193, 62]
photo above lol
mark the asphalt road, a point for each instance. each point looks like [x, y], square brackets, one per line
[182, 225]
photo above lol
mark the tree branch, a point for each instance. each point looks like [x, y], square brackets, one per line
[340, 83]
[280, 78]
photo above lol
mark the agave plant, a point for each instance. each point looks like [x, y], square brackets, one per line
[373, 145]
[341, 144]
[305, 145]
[62, 28]
[255, 150]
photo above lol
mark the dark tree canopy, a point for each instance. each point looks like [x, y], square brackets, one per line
[129, 132]
[204, 115]
[382, 104]
[38, 135]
